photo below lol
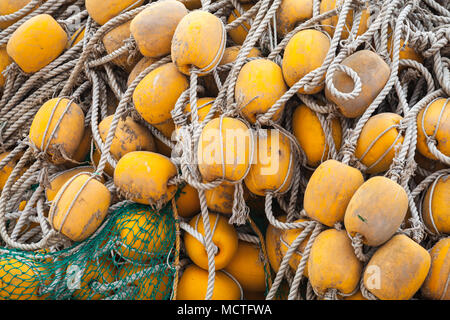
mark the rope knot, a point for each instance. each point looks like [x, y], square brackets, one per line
[179, 117]
[431, 140]
[331, 294]
[303, 213]
[37, 153]
[11, 70]
[240, 210]
[98, 49]
[332, 115]
[132, 48]
[357, 244]
[65, 26]
[403, 124]
[348, 148]
[358, 164]
[43, 175]
[338, 226]
[130, 43]
[232, 110]
[132, 113]
[339, 5]
[358, 4]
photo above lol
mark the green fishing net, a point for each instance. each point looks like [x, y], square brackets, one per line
[129, 258]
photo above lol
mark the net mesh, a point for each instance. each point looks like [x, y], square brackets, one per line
[130, 258]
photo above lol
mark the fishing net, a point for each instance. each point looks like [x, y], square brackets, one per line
[130, 258]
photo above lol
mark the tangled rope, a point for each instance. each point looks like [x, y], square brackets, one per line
[87, 74]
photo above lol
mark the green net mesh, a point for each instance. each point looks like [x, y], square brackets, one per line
[130, 258]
